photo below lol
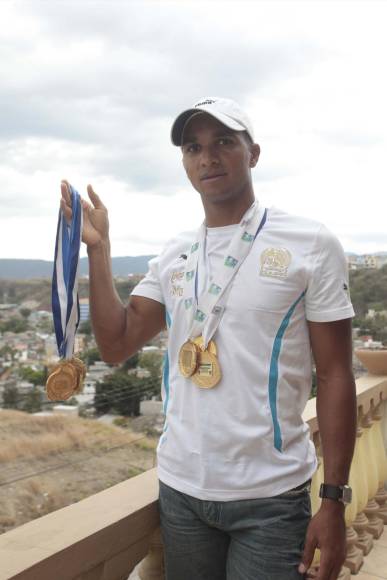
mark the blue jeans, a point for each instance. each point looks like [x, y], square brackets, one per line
[259, 539]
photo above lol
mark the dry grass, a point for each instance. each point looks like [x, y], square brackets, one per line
[23, 435]
[146, 444]
[47, 463]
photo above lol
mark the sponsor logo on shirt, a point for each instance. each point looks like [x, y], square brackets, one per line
[230, 262]
[346, 290]
[175, 288]
[275, 262]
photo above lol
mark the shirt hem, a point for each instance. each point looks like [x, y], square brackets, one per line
[331, 315]
[148, 294]
[261, 492]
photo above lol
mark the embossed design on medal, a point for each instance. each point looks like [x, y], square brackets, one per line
[208, 373]
[275, 262]
[188, 358]
[66, 379]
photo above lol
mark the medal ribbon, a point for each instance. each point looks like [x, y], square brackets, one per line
[65, 302]
[204, 312]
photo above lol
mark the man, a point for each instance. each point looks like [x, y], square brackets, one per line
[245, 299]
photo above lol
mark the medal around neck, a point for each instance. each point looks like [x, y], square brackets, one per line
[208, 373]
[188, 359]
[204, 311]
[199, 363]
[190, 356]
[66, 378]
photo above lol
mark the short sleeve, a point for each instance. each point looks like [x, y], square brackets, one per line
[327, 296]
[150, 286]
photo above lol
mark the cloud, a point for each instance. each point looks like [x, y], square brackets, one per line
[349, 138]
[90, 90]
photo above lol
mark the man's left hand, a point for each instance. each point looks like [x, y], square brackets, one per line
[326, 531]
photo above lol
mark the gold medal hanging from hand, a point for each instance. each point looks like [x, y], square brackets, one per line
[66, 379]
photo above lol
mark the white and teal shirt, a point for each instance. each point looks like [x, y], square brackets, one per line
[246, 438]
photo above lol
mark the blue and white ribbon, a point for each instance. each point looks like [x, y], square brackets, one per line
[65, 302]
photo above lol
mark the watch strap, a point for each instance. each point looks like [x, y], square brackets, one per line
[341, 493]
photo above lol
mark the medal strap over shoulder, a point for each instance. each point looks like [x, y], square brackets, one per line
[204, 310]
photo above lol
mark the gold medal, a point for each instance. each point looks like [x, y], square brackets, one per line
[211, 347]
[81, 371]
[208, 373]
[188, 359]
[66, 379]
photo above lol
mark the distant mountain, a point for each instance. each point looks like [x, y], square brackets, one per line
[27, 269]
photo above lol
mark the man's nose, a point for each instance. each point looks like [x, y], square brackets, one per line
[208, 156]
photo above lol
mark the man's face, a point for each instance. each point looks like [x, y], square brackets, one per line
[217, 159]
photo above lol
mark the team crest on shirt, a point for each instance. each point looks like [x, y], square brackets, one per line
[275, 262]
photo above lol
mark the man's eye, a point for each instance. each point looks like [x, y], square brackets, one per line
[192, 148]
[225, 141]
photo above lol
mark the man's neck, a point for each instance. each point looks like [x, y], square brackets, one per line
[228, 212]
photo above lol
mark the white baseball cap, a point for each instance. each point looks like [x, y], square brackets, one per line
[226, 111]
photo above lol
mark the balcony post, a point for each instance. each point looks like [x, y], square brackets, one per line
[152, 567]
[375, 526]
[381, 495]
[358, 481]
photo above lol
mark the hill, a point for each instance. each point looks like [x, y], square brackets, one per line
[39, 290]
[368, 289]
[26, 269]
[49, 462]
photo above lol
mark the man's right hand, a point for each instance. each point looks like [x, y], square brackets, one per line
[95, 216]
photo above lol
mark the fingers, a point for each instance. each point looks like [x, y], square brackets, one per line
[326, 568]
[307, 556]
[67, 212]
[94, 198]
[65, 202]
[65, 190]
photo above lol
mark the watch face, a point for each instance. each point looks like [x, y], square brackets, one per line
[347, 494]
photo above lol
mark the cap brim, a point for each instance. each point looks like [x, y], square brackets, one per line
[181, 120]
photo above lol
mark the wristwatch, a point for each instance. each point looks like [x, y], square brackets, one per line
[341, 493]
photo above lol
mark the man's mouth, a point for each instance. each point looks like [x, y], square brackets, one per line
[212, 177]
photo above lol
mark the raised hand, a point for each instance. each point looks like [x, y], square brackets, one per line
[95, 215]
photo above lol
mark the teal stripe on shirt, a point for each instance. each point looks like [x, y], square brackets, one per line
[273, 375]
[166, 368]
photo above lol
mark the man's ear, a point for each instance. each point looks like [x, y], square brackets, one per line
[255, 150]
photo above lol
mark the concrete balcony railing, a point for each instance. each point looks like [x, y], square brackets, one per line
[106, 535]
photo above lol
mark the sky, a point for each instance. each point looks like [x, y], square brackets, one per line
[89, 91]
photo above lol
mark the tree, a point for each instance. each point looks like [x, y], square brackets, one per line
[7, 352]
[33, 401]
[121, 393]
[34, 377]
[130, 363]
[85, 327]
[90, 356]
[102, 402]
[14, 325]
[11, 397]
[152, 361]
[25, 312]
